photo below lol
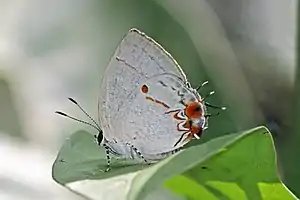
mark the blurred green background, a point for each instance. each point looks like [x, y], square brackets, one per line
[51, 50]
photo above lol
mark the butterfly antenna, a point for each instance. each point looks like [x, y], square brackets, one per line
[78, 120]
[208, 95]
[200, 86]
[210, 115]
[213, 106]
[78, 105]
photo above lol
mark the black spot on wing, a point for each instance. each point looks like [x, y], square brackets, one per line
[180, 94]
[162, 83]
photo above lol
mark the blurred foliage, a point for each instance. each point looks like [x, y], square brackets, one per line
[9, 117]
[291, 151]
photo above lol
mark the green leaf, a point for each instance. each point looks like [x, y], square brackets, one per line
[81, 158]
[236, 166]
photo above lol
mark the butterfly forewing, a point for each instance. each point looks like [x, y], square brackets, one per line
[136, 59]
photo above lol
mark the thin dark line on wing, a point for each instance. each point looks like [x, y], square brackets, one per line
[162, 83]
[161, 48]
[143, 51]
[137, 83]
[157, 63]
[153, 59]
[126, 63]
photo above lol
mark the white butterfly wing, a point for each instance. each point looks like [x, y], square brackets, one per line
[137, 59]
[146, 118]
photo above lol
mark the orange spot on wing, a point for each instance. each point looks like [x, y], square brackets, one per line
[195, 130]
[187, 124]
[193, 110]
[157, 101]
[145, 89]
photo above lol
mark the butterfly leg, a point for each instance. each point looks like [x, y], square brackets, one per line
[107, 157]
[172, 152]
[138, 152]
[181, 137]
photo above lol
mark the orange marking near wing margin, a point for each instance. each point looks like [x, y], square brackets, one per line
[159, 102]
[172, 111]
[177, 117]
